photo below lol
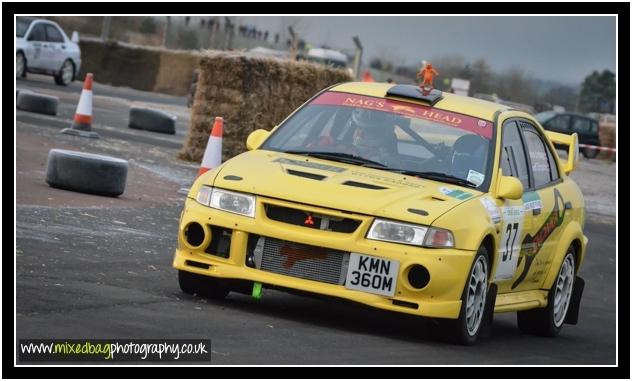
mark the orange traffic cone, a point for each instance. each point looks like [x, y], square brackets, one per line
[213, 154]
[367, 77]
[82, 123]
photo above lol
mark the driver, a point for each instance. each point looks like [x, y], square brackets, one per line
[374, 137]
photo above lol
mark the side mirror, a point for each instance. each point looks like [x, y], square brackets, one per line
[75, 37]
[256, 138]
[510, 188]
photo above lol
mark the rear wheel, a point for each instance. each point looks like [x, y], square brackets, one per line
[20, 65]
[201, 285]
[548, 321]
[66, 73]
[466, 329]
[589, 153]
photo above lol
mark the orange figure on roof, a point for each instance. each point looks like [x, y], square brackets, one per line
[427, 73]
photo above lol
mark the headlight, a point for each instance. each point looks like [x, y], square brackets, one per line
[391, 231]
[228, 201]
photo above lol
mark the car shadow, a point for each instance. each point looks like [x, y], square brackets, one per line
[348, 316]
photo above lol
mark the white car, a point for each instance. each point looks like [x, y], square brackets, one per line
[42, 47]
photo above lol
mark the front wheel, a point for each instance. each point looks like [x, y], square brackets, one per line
[66, 74]
[548, 321]
[201, 285]
[466, 329]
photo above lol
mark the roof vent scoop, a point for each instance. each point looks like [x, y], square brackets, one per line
[414, 92]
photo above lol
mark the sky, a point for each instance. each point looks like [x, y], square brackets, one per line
[560, 48]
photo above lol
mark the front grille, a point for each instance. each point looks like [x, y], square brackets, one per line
[311, 220]
[300, 261]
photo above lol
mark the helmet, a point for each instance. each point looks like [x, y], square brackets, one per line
[369, 118]
[374, 129]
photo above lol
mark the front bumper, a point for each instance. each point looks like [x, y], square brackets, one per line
[441, 297]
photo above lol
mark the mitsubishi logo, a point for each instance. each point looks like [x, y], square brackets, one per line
[309, 220]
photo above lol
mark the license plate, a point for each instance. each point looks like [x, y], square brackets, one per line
[372, 274]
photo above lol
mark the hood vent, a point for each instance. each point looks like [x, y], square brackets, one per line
[362, 185]
[308, 175]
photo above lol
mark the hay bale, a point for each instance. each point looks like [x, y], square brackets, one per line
[249, 93]
[175, 71]
[607, 138]
[120, 64]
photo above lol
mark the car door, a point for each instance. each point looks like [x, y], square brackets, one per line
[515, 223]
[36, 41]
[56, 47]
[544, 206]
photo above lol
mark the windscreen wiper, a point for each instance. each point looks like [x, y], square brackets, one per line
[338, 156]
[439, 176]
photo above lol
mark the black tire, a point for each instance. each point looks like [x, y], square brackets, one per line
[62, 78]
[39, 103]
[19, 57]
[590, 153]
[86, 172]
[543, 321]
[152, 120]
[18, 91]
[458, 330]
[191, 283]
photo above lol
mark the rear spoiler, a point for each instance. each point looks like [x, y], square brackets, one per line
[572, 142]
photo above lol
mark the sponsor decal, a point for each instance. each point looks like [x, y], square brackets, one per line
[475, 177]
[384, 179]
[531, 201]
[532, 244]
[492, 209]
[410, 110]
[309, 164]
[458, 194]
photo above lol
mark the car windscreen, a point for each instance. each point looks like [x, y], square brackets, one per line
[21, 26]
[392, 134]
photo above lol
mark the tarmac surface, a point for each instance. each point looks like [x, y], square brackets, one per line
[98, 267]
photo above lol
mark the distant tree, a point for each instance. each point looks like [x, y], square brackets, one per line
[481, 80]
[564, 96]
[598, 92]
[148, 26]
[449, 67]
[376, 64]
[406, 71]
[466, 72]
[514, 85]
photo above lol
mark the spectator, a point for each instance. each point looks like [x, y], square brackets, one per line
[276, 38]
[265, 36]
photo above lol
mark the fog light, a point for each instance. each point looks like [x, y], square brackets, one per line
[194, 234]
[418, 276]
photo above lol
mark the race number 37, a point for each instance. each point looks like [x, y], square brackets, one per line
[511, 240]
[513, 221]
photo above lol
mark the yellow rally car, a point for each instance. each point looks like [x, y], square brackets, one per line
[401, 198]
